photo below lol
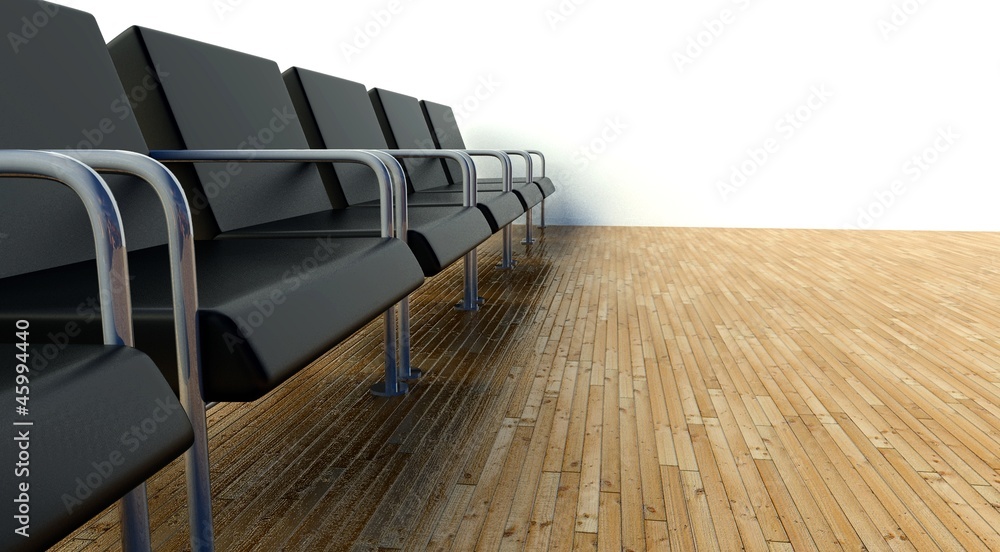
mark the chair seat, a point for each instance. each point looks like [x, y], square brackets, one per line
[546, 185]
[528, 193]
[267, 307]
[438, 236]
[499, 208]
[105, 420]
[543, 185]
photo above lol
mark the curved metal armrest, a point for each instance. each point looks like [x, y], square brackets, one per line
[540, 156]
[183, 275]
[465, 163]
[528, 166]
[390, 178]
[507, 168]
[387, 182]
[105, 222]
[180, 229]
[112, 278]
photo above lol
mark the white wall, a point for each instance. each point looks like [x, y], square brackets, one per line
[634, 139]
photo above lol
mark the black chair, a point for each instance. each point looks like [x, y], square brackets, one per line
[404, 124]
[444, 128]
[338, 113]
[247, 107]
[90, 423]
[267, 307]
[67, 82]
[214, 98]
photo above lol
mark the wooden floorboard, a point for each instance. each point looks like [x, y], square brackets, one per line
[639, 389]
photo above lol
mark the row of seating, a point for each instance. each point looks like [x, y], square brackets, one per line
[297, 208]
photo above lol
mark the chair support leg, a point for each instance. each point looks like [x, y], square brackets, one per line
[391, 386]
[472, 300]
[134, 515]
[185, 298]
[406, 371]
[196, 462]
[541, 223]
[508, 261]
[528, 224]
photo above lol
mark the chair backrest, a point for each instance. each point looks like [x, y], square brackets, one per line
[337, 114]
[215, 98]
[60, 91]
[444, 128]
[404, 127]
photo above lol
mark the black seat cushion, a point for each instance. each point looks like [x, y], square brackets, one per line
[104, 420]
[547, 186]
[267, 307]
[528, 193]
[438, 236]
[500, 209]
[543, 185]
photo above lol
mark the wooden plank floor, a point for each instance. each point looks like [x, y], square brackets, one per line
[637, 388]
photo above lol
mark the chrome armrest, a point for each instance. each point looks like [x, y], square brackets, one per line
[112, 277]
[390, 178]
[540, 156]
[507, 168]
[183, 275]
[386, 181]
[105, 222]
[398, 178]
[465, 163]
[180, 233]
[527, 161]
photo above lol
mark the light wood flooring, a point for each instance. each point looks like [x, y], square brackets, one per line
[640, 389]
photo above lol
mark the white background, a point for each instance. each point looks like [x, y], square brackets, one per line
[570, 74]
